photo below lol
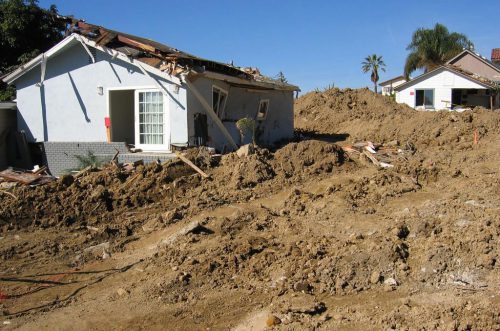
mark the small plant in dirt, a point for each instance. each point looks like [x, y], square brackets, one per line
[247, 128]
[88, 160]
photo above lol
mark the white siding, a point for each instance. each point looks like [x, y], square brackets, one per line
[68, 107]
[442, 82]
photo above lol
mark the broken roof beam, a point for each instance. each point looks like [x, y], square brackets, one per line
[105, 37]
[137, 44]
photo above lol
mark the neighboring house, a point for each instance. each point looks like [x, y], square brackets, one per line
[495, 56]
[99, 86]
[467, 80]
[389, 85]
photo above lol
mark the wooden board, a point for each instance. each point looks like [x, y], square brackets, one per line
[25, 178]
[191, 164]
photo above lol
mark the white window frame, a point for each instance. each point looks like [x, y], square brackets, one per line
[424, 106]
[262, 118]
[165, 147]
[220, 112]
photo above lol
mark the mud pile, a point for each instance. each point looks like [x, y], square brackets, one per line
[363, 115]
[99, 195]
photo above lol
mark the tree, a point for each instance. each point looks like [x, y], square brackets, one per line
[430, 48]
[26, 30]
[373, 63]
[281, 77]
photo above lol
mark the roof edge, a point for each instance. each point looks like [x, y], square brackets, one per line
[410, 82]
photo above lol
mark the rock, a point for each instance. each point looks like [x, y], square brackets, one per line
[245, 150]
[391, 282]
[67, 180]
[272, 320]
[301, 287]
[376, 277]
[401, 231]
[98, 251]
[121, 292]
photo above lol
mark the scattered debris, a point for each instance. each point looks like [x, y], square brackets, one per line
[26, 177]
[380, 155]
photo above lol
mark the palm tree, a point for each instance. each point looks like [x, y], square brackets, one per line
[373, 63]
[430, 48]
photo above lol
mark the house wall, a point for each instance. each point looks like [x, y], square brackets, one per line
[443, 81]
[67, 106]
[474, 65]
[242, 102]
[393, 84]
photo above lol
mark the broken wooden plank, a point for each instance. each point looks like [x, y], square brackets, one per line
[40, 170]
[192, 165]
[371, 158]
[137, 44]
[25, 178]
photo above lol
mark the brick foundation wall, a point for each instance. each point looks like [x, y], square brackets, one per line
[60, 156]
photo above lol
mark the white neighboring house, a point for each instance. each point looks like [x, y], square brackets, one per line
[467, 80]
[389, 85]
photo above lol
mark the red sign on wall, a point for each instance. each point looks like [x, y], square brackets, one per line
[412, 93]
[107, 122]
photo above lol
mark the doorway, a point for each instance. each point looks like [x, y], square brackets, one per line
[121, 113]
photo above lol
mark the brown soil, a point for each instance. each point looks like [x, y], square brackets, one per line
[303, 237]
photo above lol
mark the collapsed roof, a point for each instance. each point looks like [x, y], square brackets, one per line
[168, 59]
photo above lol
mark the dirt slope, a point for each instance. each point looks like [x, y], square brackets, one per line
[303, 237]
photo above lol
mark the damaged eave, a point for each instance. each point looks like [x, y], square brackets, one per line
[239, 82]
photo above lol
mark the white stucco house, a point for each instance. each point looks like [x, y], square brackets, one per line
[467, 80]
[103, 86]
[389, 85]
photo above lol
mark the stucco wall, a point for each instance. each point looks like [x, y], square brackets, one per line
[472, 64]
[442, 81]
[242, 102]
[68, 108]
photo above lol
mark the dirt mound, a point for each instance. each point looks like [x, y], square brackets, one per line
[364, 115]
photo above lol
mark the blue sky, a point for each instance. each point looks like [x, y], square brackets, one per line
[315, 43]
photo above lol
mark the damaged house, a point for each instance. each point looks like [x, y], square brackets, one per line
[465, 81]
[100, 90]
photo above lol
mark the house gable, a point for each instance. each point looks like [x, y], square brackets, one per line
[68, 105]
[442, 81]
[474, 63]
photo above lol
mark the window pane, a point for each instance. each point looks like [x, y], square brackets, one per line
[429, 97]
[215, 100]
[222, 102]
[151, 118]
